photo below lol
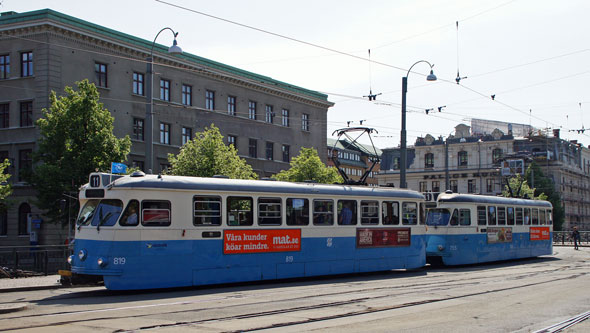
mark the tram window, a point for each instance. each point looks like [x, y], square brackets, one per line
[549, 217]
[269, 211]
[465, 217]
[239, 211]
[347, 214]
[510, 215]
[129, 217]
[519, 217]
[107, 212]
[422, 213]
[297, 211]
[369, 212]
[206, 210]
[491, 215]
[409, 213]
[541, 216]
[155, 213]
[455, 217]
[323, 212]
[535, 216]
[390, 212]
[87, 212]
[481, 215]
[501, 215]
[527, 216]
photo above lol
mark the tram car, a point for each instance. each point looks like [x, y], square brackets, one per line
[156, 231]
[469, 229]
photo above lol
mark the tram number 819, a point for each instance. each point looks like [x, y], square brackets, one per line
[119, 261]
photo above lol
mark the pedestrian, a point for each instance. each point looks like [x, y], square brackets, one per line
[576, 237]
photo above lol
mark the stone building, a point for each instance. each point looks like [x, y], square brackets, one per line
[42, 51]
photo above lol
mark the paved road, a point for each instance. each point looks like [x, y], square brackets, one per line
[518, 296]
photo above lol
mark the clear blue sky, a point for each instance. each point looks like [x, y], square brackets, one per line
[532, 54]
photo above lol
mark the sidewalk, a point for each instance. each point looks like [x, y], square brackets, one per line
[30, 283]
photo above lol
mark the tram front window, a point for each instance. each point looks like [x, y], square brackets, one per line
[107, 212]
[87, 212]
[438, 216]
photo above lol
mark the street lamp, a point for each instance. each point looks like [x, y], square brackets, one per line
[403, 149]
[149, 113]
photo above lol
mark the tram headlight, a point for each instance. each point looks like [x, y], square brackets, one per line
[71, 259]
[101, 262]
[82, 254]
[441, 247]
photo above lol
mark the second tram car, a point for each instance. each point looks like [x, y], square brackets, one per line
[468, 229]
[146, 231]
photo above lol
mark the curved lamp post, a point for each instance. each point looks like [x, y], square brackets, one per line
[149, 113]
[403, 148]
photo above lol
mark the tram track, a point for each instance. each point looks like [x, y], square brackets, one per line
[427, 287]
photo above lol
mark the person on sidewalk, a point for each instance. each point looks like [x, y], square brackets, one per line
[576, 237]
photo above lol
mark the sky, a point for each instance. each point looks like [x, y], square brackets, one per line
[532, 55]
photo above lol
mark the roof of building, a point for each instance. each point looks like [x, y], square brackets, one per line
[344, 144]
[12, 18]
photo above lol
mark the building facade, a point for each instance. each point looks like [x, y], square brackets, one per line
[267, 120]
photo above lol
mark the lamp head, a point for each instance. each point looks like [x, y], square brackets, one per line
[431, 76]
[175, 49]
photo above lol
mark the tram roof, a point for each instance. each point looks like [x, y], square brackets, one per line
[486, 199]
[248, 186]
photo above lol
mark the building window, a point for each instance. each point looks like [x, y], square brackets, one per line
[252, 148]
[26, 64]
[231, 140]
[396, 163]
[138, 164]
[252, 110]
[231, 105]
[436, 186]
[4, 66]
[471, 186]
[4, 115]
[3, 222]
[423, 186]
[187, 95]
[100, 71]
[23, 216]
[286, 157]
[269, 114]
[429, 160]
[165, 90]
[165, 133]
[25, 163]
[285, 118]
[209, 100]
[462, 158]
[187, 135]
[305, 122]
[454, 185]
[26, 114]
[269, 151]
[490, 185]
[138, 80]
[138, 129]
[496, 155]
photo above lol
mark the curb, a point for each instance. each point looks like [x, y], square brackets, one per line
[13, 307]
[31, 288]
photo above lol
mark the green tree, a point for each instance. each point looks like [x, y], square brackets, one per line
[518, 187]
[308, 166]
[76, 139]
[206, 155]
[5, 189]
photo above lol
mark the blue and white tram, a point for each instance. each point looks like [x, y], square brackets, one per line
[147, 231]
[468, 229]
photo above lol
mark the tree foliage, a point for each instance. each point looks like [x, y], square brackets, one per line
[308, 166]
[206, 155]
[76, 139]
[5, 189]
[518, 187]
[544, 189]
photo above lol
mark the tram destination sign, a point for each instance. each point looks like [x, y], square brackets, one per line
[257, 241]
[383, 237]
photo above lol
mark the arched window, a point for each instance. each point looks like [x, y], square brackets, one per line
[462, 158]
[23, 211]
[429, 160]
[497, 155]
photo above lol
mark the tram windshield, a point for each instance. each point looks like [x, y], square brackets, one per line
[87, 212]
[438, 216]
[100, 212]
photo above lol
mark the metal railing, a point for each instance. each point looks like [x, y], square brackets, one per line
[18, 261]
[565, 238]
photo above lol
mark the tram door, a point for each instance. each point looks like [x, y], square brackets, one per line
[461, 242]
